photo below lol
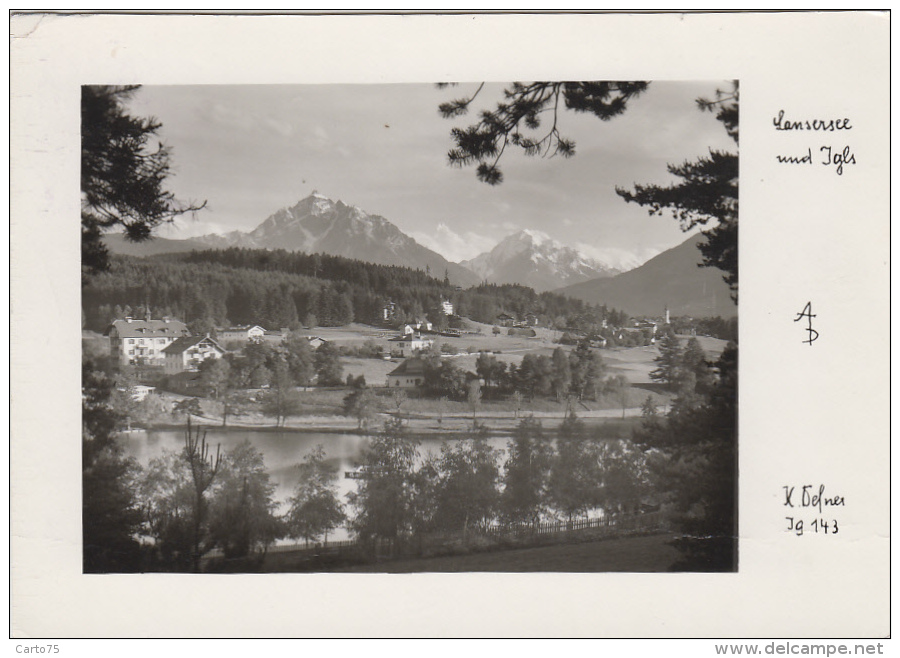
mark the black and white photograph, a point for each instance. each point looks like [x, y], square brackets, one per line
[420, 325]
[410, 328]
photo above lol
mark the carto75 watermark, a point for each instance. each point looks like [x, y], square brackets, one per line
[37, 648]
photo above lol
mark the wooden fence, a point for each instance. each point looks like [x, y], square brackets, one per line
[613, 524]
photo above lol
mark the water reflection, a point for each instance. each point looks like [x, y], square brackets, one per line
[282, 452]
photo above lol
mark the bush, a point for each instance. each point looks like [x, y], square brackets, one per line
[356, 382]
[568, 339]
[447, 348]
[528, 333]
[370, 350]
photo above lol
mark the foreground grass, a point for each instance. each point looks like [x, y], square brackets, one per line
[644, 554]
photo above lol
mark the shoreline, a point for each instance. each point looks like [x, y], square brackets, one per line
[414, 425]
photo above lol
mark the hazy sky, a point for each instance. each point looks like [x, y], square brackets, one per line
[250, 150]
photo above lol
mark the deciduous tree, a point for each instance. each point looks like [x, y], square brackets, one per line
[301, 360]
[587, 368]
[242, 507]
[466, 491]
[384, 501]
[528, 462]
[490, 369]
[361, 404]
[215, 375]
[473, 397]
[314, 507]
[574, 474]
[618, 387]
[329, 369]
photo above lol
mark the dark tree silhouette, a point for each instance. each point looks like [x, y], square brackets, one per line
[669, 361]
[203, 469]
[110, 513]
[122, 174]
[696, 446]
[707, 193]
[518, 120]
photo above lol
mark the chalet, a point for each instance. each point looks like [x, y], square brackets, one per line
[141, 342]
[447, 307]
[241, 333]
[186, 354]
[530, 320]
[409, 374]
[410, 343]
[417, 325]
[506, 320]
[315, 342]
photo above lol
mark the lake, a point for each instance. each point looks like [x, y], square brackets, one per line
[282, 452]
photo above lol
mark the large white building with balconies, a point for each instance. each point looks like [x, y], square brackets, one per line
[141, 342]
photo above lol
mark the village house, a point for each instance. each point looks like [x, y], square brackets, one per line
[186, 354]
[409, 374]
[506, 320]
[409, 344]
[647, 324]
[141, 342]
[447, 307]
[417, 325]
[243, 333]
[315, 342]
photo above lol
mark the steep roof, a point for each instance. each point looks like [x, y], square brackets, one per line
[148, 328]
[187, 342]
[408, 337]
[243, 327]
[413, 367]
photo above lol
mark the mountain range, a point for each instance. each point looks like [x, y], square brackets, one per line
[317, 224]
[672, 279]
[533, 259]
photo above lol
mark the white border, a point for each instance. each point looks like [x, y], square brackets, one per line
[806, 415]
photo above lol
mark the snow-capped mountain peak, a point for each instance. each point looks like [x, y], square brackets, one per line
[533, 258]
[317, 224]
